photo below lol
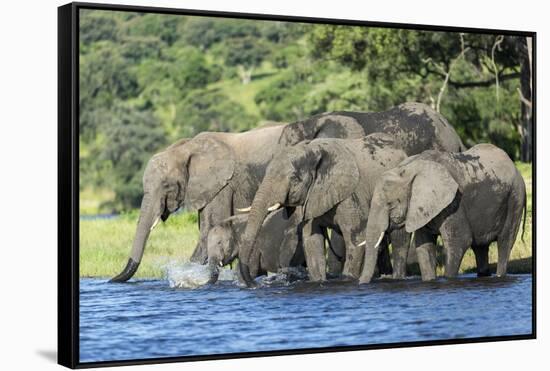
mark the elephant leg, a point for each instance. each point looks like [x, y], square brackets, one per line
[482, 260]
[457, 238]
[400, 241]
[314, 250]
[213, 213]
[354, 255]
[200, 254]
[455, 247]
[383, 263]
[504, 248]
[424, 244]
[507, 237]
[335, 263]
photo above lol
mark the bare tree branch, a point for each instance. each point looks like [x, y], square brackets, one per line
[445, 71]
[525, 101]
[498, 41]
[484, 83]
[467, 84]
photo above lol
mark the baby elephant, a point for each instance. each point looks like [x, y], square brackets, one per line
[279, 243]
[471, 199]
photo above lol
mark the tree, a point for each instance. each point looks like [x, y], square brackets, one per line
[445, 63]
[211, 110]
[245, 54]
[132, 137]
[525, 92]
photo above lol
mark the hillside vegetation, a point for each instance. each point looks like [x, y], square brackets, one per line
[147, 80]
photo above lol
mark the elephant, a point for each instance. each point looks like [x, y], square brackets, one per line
[214, 173]
[470, 199]
[332, 180]
[415, 126]
[279, 243]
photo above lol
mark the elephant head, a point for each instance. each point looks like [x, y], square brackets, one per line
[408, 196]
[321, 126]
[278, 241]
[222, 243]
[188, 174]
[314, 175]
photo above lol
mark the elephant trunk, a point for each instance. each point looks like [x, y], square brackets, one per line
[377, 224]
[213, 270]
[369, 264]
[256, 217]
[145, 223]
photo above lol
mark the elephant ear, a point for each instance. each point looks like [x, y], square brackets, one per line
[338, 126]
[210, 166]
[335, 179]
[433, 189]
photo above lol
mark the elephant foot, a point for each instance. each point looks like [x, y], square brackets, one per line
[484, 273]
[348, 278]
[364, 280]
[334, 276]
[316, 278]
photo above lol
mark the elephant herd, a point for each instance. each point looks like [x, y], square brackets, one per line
[332, 192]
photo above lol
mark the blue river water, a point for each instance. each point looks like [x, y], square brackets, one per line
[149, 319]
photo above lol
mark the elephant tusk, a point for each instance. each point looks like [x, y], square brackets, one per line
[362, 243]
[245, 210]
[379, 240]
[155, 223]
[221, 264]
[274, 207]
[411, 241]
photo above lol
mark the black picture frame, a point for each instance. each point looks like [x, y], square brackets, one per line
[68, 181]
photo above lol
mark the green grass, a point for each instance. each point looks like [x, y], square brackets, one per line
[105, 243]
[92, 199]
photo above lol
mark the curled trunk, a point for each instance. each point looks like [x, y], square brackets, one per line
[145, 222]
[213, 270]
[256, 217]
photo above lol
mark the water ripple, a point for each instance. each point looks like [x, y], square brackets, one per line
[148, 318]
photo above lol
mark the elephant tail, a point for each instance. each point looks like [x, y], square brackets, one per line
[524, 217]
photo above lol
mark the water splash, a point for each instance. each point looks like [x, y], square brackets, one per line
[285, 276]
[191, 275]
[227, 274]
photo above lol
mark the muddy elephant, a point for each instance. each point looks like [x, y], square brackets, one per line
[415, 126]
[332, 179]
[214, 173]
[279, 243]
[470, 199]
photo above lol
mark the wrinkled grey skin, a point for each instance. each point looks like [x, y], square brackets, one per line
[218, 172]
[333, 180]
[415, 126]
[214, 173]
[278, 243]
[470, 199]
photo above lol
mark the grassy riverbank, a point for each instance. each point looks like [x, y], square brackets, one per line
[106, 243]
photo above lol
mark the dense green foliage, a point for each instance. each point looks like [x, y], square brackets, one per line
[147, 80]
